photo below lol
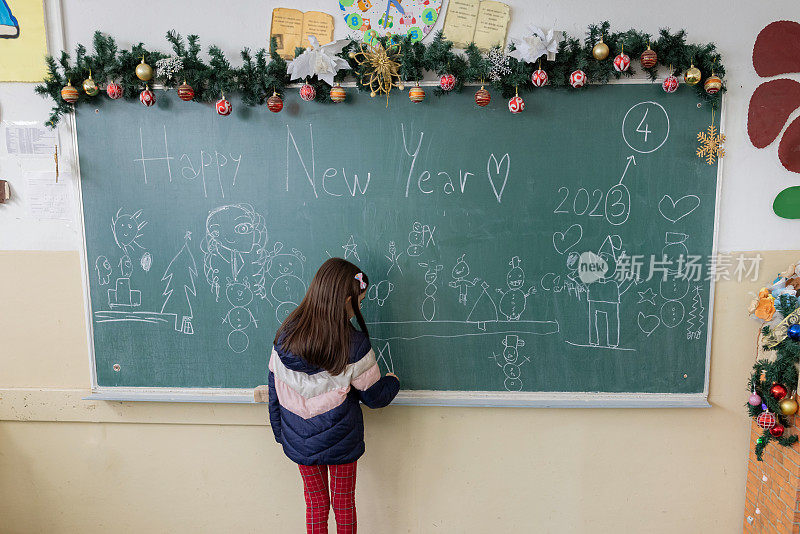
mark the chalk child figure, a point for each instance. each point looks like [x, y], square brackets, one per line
[104, 270]
[239, 317]
[460, 272]
[605, 293]
[513, 301]
[125, 229]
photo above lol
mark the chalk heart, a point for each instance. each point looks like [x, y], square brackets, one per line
[648, 323]
[563, 241]
[591, 267]
[675, 210]
[496, 171]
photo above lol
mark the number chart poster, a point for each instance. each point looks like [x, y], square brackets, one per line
[560, 249]
[23, 45]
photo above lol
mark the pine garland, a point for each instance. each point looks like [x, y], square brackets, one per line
[264, 72]
[782, 371]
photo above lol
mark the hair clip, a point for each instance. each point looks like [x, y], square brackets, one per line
[361, 283]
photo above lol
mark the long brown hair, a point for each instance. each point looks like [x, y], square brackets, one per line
[318, 330]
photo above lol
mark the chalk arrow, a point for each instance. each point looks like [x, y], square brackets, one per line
[630, 159]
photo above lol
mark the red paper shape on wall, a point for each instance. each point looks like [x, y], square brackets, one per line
[777, 49]
[789, 149]
[770, 106]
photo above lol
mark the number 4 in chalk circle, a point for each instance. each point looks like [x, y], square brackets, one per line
[646, 130]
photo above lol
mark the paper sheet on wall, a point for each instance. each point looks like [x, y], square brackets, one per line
[27, 139]
[291, 28]
[47, 199]
[484, 23]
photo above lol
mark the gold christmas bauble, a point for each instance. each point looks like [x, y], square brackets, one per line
[144, 71]
[788, 406]
[90, 87]
[600, 51]
[692, 75]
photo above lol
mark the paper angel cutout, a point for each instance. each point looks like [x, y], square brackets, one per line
[534, 46]
[321, 61]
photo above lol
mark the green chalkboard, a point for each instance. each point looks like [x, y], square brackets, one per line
[500, 247]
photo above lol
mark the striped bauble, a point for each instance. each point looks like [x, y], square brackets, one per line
[185, 92]
[649, 58]
[275, 103]
[482, 97]
[416, 94]
[69, 93]
[338, 94]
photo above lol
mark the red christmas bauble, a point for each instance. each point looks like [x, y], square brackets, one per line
[482, 97]
[447, 82]
[622, 62]
[670, 84]
[778, 391]
[777, 430]
[338, 94]
[577, 79]
[649, 58]
[307, 92]
[766, 420]
[275, 103]
[147, 97]
[69, 93]
[185, 92]
[416, 94]
[539, 78]
[114, 90]
[516, 104]
[224, 107]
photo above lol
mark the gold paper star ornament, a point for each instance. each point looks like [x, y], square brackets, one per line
[382, 66]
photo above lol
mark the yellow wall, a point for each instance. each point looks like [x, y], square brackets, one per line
[68, 465]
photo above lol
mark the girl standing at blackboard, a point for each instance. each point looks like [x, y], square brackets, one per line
[320, 368]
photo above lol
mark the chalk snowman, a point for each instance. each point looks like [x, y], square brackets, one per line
[288, 287]
[431, 275]
[239, 317]
[511, 362]
[513, 301]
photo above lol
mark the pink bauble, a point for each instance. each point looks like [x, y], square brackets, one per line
[622, 62]
[224, 107]
[447, 82]
[147, 97]
[539, 78]
[577, 79]
[516, 104]
[114, 90]
[307, 92]
[670, 84]
[754, 400]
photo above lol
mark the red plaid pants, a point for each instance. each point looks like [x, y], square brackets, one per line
[342, 497]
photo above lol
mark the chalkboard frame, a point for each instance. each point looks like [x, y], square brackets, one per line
[405, 397]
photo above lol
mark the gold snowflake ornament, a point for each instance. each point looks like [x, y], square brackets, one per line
[382, 65]
[710, 145]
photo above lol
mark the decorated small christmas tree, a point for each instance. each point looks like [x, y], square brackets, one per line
[180, 274]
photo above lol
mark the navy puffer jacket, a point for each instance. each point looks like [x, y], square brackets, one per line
[316, 416]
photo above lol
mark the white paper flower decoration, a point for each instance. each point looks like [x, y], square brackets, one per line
[539, 43]
[319, 60]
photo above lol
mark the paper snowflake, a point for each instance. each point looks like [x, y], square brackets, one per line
[169, 67]
[498, 62]
[710, 145]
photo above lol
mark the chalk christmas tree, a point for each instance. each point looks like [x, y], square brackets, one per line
[695, 320]
[181, 273]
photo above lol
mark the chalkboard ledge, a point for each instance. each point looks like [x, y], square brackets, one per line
[430, 398]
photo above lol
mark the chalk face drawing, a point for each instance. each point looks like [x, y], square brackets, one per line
[234, 246]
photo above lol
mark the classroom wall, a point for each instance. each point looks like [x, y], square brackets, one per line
[72, 465]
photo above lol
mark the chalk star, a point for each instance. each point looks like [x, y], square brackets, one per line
[647, 296]
[350, 248]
